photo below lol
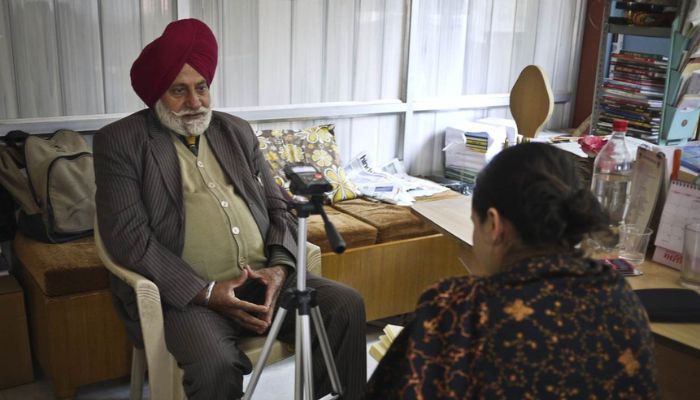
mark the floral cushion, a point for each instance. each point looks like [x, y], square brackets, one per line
[279, 149]
[315, 146]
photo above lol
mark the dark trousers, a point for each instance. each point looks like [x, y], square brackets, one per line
[204, 343]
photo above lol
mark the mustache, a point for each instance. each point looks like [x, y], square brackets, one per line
[200, 110]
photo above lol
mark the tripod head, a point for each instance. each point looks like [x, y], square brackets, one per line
[306, 181]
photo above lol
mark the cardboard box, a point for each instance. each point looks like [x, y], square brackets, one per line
[16, 368]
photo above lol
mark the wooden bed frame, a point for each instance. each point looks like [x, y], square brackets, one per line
[78, 339]
[391, 276]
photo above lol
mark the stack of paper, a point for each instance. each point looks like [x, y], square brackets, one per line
[508, 124]
[379, 349]
[389, 183]
[469, 148]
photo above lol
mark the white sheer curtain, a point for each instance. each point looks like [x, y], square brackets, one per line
[477, 47]
[71, 58]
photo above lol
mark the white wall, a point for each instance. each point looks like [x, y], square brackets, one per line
[65, 63]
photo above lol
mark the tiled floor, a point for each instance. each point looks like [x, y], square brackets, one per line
[276, 382]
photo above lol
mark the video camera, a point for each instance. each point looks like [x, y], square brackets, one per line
[305, 180]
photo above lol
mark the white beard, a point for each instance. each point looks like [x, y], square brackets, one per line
[175, 121]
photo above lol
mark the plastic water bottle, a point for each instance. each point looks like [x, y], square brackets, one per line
[612, 178]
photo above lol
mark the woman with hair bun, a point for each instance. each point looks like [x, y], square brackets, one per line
[541, 320]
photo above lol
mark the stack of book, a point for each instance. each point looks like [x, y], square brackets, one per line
[378, 350]
[634, 91]
[648, 13]
[465, 154]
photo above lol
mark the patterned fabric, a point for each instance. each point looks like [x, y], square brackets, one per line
[315, 146]
[279, 149]
[549, 327]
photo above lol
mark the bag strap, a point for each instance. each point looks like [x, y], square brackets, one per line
[14, 181]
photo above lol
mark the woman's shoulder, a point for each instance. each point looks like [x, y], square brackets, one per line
[453, 288]
[463, 295]
[554, 267]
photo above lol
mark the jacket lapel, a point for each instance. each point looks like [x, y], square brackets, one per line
[226, 153]
[163, 151]
[237, 165]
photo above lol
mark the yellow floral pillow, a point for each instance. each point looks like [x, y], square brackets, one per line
[320, 150]
[279, 149]
[315, 146]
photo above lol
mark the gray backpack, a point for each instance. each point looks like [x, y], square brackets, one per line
[53, 182]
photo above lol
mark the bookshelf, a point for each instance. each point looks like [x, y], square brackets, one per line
[646, 96]
[650, 31]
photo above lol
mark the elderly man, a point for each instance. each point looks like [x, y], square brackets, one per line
[185, 198]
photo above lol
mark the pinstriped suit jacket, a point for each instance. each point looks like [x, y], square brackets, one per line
[139, 201]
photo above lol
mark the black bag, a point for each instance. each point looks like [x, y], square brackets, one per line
[671, 305]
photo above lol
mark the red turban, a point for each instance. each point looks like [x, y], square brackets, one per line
[187, 41]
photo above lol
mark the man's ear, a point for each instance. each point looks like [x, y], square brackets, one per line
[497, 225]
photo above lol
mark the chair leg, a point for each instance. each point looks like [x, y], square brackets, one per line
[138, 372]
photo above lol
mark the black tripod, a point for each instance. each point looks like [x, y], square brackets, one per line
[304, 301]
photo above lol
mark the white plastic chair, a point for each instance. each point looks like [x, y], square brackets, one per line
[165, 377]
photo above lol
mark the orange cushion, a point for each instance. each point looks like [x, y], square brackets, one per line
[392, 222]
[61, 269]
[355, 232]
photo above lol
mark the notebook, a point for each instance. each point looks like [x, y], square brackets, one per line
[691, 157]
[647, 180]
[379, 349]
[682, 207]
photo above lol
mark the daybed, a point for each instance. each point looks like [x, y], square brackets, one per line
[78, 339]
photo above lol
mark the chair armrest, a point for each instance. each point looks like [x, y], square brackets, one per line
[313, 259]
[158, 358]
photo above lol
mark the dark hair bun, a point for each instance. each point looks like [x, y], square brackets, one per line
[584, 215]
[536, 186]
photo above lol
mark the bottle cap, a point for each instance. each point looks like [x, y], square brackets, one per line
[619, 125]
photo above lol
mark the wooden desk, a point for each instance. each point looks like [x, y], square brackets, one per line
[677, 345]
[659, 276]
[451, 217]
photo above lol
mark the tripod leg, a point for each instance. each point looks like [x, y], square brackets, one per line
[326, 351]
[298, 361]
[271, 336]
[306, 355]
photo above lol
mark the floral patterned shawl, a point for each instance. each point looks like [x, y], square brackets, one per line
[550, 327]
